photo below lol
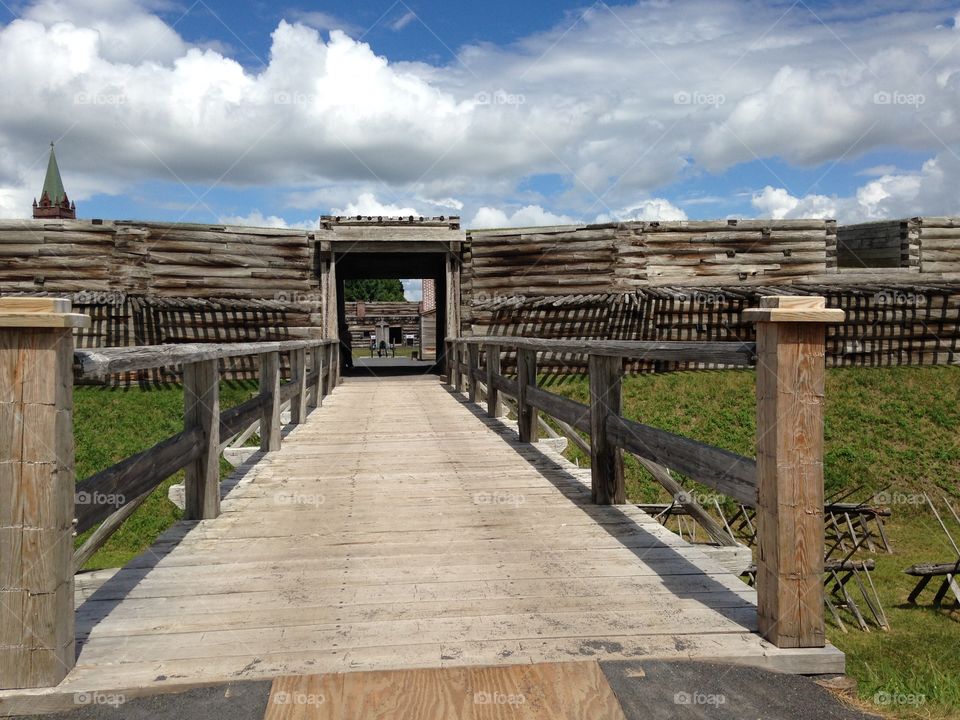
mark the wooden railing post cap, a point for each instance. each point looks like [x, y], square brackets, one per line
[40, 312]
[794, 308]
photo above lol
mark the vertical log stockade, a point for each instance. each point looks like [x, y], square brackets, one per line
[785, 483]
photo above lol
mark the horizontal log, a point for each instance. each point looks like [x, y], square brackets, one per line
[932, 570]
[106, 361]
[235, 419]
[569, 411]
[731, 474]
[732, 353]
[102, 494]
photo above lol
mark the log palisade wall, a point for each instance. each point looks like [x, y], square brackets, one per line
[154, 283]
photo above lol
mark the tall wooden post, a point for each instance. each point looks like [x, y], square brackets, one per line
[455, 363]
[333, 366]
[473, 368]
[298, 373]
[494, 404]
[270, 385]
[607, 484]
[790, 543]
[526, 377]
[36, 491]
[316, 368]
[201, 409]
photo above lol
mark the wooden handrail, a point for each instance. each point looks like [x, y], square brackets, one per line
[39, 330]
[107, 361]
[785, 483]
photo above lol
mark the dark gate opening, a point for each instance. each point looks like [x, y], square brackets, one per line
[352, 264]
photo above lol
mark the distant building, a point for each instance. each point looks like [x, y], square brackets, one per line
[428, 297]
[54, 202]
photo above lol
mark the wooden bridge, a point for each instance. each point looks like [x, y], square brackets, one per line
[396, 523]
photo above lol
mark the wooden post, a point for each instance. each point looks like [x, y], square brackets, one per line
[790, 543]
[607, 483]
[526, 377]
[335, 366]
[298, 372]
[457, 375]
[473, 367]
[36, 491]
[270, 385]
[448, 360]
[316, 366]
[494, 404]
[201, 408]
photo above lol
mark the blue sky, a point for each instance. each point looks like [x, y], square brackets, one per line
[505, 113]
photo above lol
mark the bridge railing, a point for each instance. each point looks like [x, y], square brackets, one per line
[785, 481]
[41, 506]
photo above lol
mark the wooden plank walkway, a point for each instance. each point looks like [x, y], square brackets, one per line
[399, 528]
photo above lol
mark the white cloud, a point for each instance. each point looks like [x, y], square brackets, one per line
[616, 118]
[401, 22]
[651, 209]
[413, 290]
[932, 190]
[257, 219]
[367, 204]
[529, 216]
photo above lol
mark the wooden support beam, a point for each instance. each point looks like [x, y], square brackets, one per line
[298, 371]
[37, 491]
[270, 389]
[606, 459]
[473, 367]
[317, 368]
[790, 379]
[457, 374]
[494, 404]
[201, 409]
[526, 378]
[333, 367]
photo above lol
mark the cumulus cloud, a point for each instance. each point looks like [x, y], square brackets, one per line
[258, 219]
[712, 84]
[367, 204]
[931, 190]
[529, 216]
[652, 209]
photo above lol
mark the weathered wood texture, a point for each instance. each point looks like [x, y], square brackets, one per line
[201, 410]
[886, 324]
[606, 458]
[790, 532]
[36, 512]
[424, 540]
[542, 691]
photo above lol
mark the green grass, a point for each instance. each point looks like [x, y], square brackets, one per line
[885, 428]
[111, 424]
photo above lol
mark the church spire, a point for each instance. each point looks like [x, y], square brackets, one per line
[54, 202]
